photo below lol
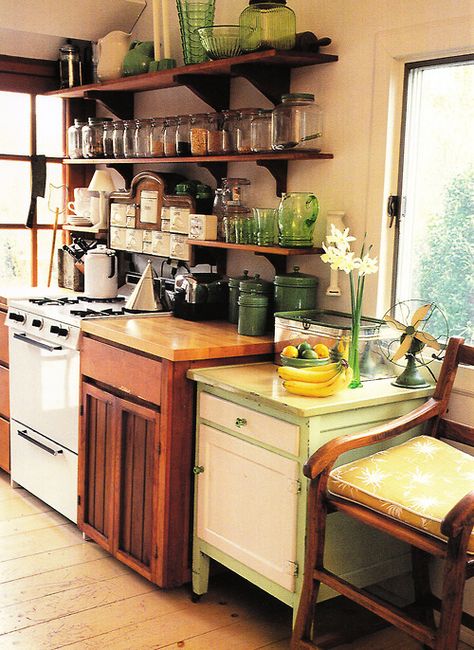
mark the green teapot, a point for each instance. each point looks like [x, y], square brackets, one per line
[138, 58]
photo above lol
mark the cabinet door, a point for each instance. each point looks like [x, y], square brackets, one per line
[5, 444]
[136, 480]
[3, 339]
[96, 461]
[4, 393]
[247, 504]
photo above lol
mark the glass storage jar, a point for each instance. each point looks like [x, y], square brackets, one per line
[128, 138]
[142, 138]
[261, 131]
[169, 136]
[107, 139]
[273, 25]
[229, 126]
[233, 190]
[156, 137]
[74, 139]
[183, 143]
[70, 70]
[117, 139]
[198, 134]
[243, 129]
[92, 141]
[297, 123]
[218, 209]
[215, 134]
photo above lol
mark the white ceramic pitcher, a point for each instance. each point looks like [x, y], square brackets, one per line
[111, 51]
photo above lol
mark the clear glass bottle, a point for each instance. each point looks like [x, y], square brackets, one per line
[143, 138]
[74, 139]
[117, 139]
[198, 134]
[107, 139]
[169, 136]
[156, 137]
[297, 123]
[261, 131]
[183, 143]
[273, 25]
[92, 141]
[243, 129]
[128, 138]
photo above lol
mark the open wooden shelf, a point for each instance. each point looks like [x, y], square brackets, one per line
[264, 250]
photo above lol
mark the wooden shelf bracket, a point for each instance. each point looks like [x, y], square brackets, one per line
[212, 89]
[120, 103]
[217, 169]
[271, 81]
[279, 170]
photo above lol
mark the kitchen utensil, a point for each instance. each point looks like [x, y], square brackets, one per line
[223, 41]
[100, 273]
[193, 15]
[56, 197]
[111, 50]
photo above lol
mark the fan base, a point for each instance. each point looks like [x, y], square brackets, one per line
[410, 377]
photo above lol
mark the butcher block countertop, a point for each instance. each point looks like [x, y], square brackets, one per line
[176, 339]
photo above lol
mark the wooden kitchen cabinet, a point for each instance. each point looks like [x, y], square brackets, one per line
[4, 395]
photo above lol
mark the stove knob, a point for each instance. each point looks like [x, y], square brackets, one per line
[37, 322]
[60, 331]
[18, 318]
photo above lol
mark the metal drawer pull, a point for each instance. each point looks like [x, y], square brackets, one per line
[37, 344]
[199, 469]
[53, 452]
[240, 422]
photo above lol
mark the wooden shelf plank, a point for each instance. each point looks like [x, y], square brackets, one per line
[170, 78]
[254, 157]
[264, 250]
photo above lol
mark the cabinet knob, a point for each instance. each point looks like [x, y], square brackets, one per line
[199, 469]
[240, 422]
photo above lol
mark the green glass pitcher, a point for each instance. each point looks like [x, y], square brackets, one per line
[297, 216]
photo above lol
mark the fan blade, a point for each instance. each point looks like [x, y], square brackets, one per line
[428, 340]
[419, 315]
[404, 347]
[394, 323]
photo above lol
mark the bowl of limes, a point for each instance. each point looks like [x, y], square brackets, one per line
[304, 355]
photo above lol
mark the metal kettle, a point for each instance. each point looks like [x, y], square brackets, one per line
[100, 273]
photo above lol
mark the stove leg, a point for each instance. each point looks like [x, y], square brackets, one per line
[14, 484]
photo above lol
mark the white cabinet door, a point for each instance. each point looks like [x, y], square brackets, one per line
[247, 504]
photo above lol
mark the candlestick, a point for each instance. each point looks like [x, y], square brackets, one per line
[166, 30]
[156, 27]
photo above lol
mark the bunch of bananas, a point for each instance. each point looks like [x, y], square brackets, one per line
[320, 381]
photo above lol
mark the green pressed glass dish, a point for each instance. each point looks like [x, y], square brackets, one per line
[302, 363]
[223, 41]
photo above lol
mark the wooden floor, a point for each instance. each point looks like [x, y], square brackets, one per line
[58, 591]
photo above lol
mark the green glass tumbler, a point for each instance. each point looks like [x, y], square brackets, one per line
[266, 220]
[297, 216]
[193, 14]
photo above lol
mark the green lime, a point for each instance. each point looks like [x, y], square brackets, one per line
[309, 354]
[302, 347]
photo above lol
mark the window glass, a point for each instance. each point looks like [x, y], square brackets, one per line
[45, 241]
[15, 133]
[15, 191]
[15, 257]
[55, 195]
[49, 126]
[436, 241]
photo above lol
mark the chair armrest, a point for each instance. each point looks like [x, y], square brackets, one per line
[459, 517]
[324, 458]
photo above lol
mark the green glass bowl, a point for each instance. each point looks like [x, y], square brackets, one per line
[303, 363]
[223, 41]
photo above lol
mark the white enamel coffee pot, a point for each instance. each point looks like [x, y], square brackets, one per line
[100, 273]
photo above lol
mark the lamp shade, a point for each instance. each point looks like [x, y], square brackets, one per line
[102, 181]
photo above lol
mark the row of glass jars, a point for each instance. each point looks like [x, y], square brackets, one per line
[295, 123]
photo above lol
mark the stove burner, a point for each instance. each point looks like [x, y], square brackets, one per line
[92, 312]
[101, 300]
[54, 301]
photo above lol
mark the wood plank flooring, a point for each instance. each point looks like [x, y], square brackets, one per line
[58, 591]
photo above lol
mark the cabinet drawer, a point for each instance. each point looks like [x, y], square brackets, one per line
[131, 373]
[5, 444]
[263, 428]
[3, 338]
[4, 393]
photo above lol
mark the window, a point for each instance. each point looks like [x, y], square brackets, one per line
[435, 250]
[32, 125]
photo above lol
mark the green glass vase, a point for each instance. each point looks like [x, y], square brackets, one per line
[193, 14]
[297, 216]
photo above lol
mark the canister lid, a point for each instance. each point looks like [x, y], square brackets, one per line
[253, 299]
[296, 279]
[256, 284]
[259, 2]
[235, 282]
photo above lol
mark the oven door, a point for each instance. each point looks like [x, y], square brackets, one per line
[44, 388]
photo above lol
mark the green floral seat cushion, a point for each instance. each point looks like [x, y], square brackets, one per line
[417, 482]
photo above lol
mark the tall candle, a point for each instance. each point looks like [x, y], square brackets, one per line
[156, 27]
[166, 30]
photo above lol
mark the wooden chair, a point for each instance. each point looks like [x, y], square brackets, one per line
[453, 540]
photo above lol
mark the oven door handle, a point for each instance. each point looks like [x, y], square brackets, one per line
[53, 452]
[37, 344]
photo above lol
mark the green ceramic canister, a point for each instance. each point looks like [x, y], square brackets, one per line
[253, 309]
[234, 292]
[295, 291]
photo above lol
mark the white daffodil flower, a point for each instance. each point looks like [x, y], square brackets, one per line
[367, 265]
[340, 239]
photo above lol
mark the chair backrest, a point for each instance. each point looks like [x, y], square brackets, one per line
[456, 353]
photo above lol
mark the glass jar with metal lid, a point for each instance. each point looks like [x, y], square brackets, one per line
[107, 139]
[273, 25]
[129, 138]
[243, 129]
[169, 136]
[198, 134]
[261, 131]
[74, 139]
[92, 140]
[294, 291]
[297, 123]
[117, 139]
[234, 293]
[215, 134]
[229, 126]
[156, 137]
[142, 138]
[183, 143]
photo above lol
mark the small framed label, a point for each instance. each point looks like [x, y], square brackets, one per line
[149, 206]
